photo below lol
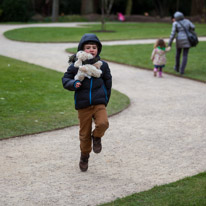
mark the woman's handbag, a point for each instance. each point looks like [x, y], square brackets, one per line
[191, 35]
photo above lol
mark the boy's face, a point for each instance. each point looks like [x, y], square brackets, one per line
[91, 48]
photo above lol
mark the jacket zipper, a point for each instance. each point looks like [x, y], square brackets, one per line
[90, 92]
[105, 90]
[75, 98]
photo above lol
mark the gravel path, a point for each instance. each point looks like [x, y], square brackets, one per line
[159, 139]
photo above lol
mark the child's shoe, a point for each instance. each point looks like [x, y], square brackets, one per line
[83, 164]
[155, 72]
[160, 74]
[97, 145]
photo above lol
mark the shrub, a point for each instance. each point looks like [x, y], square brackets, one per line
[16, 10]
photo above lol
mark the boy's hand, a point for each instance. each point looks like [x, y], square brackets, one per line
[78, 84]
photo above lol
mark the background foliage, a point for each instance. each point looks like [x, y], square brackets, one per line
[16, 10]
[23, 10]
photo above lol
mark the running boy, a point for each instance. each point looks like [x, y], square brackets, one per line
[91, 98]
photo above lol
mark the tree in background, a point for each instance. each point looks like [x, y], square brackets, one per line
[23, 10]
[103, 17]
[55, 10]
[68, 7]
[129, 7]
[106, 7]
[177, 5]
[16, 10]
[42, 7]
[162, 7]
[87, 7]
[198, 7]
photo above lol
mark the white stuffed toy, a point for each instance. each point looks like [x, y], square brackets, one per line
[86, 70]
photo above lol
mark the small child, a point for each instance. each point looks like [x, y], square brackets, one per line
[158, 56]
[92, 94]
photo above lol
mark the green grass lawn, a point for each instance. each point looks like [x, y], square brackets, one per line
[32, 99]
[122, 31]
[139, 56]
[190, 191]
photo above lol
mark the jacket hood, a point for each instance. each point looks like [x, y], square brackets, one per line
[90, 38]
[178, 16]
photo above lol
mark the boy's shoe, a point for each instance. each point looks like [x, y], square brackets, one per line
[160, 74]
[155, 72]
[83, 164]
[97, 145]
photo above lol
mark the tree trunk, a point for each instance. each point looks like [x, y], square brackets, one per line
[33, 4]
[129, 7]
[102, 17]
[197, 7]
[159, 7]
[162, 7]
[87, 7]
[177, 5]
[55, 10]
[108, 6]
[96, 5]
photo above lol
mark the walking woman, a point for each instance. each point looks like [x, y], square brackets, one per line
[182, 42]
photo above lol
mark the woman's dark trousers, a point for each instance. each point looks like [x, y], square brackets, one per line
[184, 59]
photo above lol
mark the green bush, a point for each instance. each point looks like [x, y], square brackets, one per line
[16, 10]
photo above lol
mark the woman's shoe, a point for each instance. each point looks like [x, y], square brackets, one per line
[176, 69]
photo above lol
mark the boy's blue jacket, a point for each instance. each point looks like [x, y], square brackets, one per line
[92, 91]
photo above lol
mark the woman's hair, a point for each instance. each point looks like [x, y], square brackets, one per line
[161, 43]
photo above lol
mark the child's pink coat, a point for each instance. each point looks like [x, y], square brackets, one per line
[158, 56]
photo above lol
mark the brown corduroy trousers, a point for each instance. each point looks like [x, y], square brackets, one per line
[99, 114]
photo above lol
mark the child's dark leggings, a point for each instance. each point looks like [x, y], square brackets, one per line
[160, 69]
[184, 59]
